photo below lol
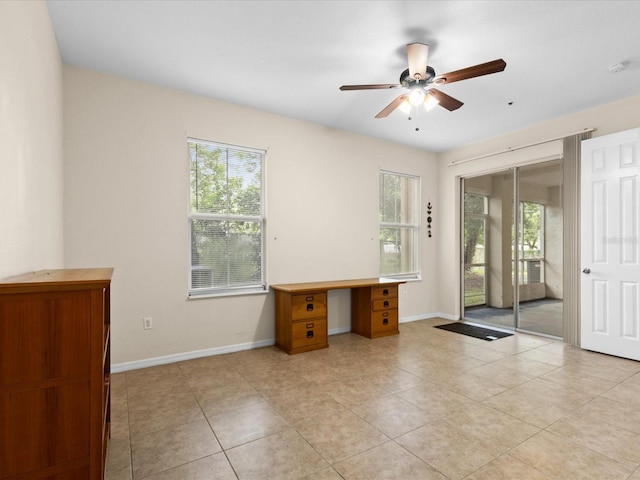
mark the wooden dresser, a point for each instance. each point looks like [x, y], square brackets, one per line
[55, 374]
[301, 311]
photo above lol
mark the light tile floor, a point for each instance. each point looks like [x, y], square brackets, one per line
[425, 404]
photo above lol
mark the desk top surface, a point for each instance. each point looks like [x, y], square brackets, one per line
[335, 284]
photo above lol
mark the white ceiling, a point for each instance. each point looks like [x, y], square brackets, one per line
[290, 57]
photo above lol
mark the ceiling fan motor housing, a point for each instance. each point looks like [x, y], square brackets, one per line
[408, 82]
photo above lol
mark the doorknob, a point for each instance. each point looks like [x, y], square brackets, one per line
[586, 270]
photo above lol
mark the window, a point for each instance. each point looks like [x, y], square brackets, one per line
[531, 243]
[226, 220]
[399, 225]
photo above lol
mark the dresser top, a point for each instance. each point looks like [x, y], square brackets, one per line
[335, 284]
[61, 279]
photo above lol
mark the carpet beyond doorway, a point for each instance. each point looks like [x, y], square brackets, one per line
[473, 331]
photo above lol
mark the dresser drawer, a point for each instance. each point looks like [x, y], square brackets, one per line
[384, 323]
[312, 332]
[385, 304]
[384, 292]
[311, 305]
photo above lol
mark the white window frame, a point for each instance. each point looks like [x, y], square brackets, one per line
[413, 227]
[226, 290]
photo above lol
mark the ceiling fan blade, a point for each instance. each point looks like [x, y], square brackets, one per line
[445, 100]
[417, 54]
[370, 87]
[494, 66]
[392, 106]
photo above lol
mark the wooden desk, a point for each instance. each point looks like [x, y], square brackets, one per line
[301, 311]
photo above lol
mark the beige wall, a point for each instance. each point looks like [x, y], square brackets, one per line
[125, 194]
[126, 201]
[610, 118]
[30, 140]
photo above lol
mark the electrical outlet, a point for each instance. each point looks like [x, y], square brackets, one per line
[147, 323]
[404, 295]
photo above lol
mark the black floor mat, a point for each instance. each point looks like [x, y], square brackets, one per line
[473, 331]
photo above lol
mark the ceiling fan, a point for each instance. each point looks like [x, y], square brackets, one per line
[420, 77]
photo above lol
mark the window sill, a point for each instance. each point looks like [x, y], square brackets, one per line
[229, 293]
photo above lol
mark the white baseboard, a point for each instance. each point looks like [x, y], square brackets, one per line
[181, 357]
[426, 316]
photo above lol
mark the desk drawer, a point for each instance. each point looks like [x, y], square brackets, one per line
[384, 292]
[309, 333]
[384, 323]
[385, 304]
[311, 305]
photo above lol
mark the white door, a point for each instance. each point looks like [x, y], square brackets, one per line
[610, 244]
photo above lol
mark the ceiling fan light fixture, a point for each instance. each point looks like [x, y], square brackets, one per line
[430, 101]
[416, 97]
[405, 106]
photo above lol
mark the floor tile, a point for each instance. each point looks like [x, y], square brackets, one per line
[626, 392]
[226, 398]
[526, 407]
[118, 465]
[492, 426]
[525, 365]
[423, 404]
[619, 444]
[507, 468]
[341, 436]
[472, 386]
[393, 380]
[353, 392]
[165, 449]
[561, 458]
[284, 455]
[324, 474]
[500, 375]
[246, 424]
[621, 415]
[435, 400]
[214, 467]
[448, 449]
[392, 415]
[579, 380]
[148, 414]
[388, 461]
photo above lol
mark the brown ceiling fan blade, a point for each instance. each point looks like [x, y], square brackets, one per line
[494, 66]
[392, 106]
[417, 54]
[370, 87]
[445, 100]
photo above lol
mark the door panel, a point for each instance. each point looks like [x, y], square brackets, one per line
[610, 251]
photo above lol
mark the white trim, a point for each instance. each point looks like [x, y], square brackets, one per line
[427, 316]
[512, 149]
[338, 331]
[181, 357]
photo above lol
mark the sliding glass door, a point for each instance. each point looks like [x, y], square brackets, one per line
[512, 248]
[539, 248]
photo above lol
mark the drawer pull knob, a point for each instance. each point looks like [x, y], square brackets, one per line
[386, 303]
[310, 334]
[309, 307]
[385, 314]
[309, 298]
[385, 292]
[309, 325]
[385, 321]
